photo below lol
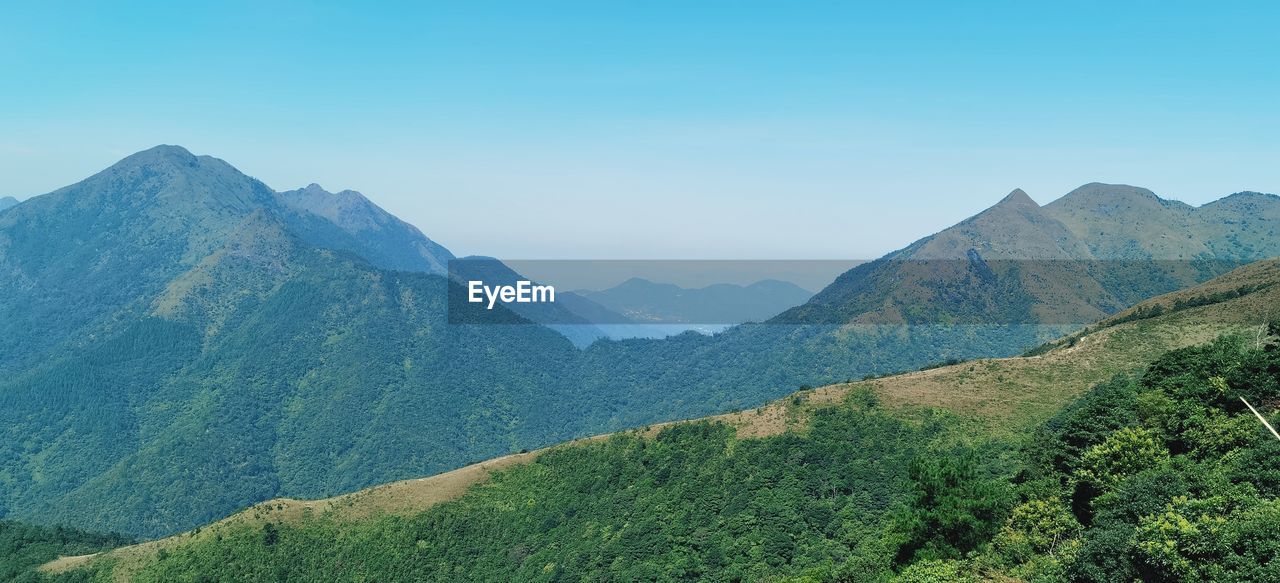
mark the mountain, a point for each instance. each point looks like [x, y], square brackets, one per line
[178, 340]
[7, 201]
[1084, 256]
[25, 547]
[348, 221]
[86, 258]
[1125, 222]
[996, 284]
[175, 349]
[823, 483]
[642, 300]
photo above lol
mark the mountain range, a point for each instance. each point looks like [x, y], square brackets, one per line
[1088, 254]
[178, 340]
[812, 485]
[642, 300]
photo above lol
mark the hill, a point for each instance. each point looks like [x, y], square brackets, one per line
[801, 486]
[1126, 222]
[995, 284]
[176, 349]
[178, 340]
[1094, 251]
[7, 201]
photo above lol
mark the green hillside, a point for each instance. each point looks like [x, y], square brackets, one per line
[178, 341]
[24, 547]
[175, 350]
[1006, 468]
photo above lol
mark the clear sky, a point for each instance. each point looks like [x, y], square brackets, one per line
[657, 129]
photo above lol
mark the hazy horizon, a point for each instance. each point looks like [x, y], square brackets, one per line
[657, 130]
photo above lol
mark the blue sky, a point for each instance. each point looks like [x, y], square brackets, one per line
[654, 129]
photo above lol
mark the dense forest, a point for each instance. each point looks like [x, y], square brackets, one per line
[24, 547]
[1160, 476]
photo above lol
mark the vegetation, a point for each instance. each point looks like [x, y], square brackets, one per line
[1166, 477]
[180, 343]
[692, 502]
[1153, 310]
[1161, 476]
[24, 547]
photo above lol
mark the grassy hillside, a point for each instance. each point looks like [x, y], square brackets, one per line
[836, 457]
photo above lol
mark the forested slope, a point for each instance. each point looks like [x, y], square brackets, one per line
[178, 341]
[904, 475]
[1159, 476]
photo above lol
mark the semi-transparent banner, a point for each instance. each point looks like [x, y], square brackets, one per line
[708, 295]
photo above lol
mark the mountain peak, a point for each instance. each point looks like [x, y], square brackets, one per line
[176, 155]
[1018, 198]
[1105, 197]
[1246, 195]
[1014, 228]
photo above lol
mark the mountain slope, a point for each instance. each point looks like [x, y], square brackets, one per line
[1084, 256]
[7, 201]
[1125, 222]
[348, 221]
[996, 284]
[97, 252]
[177, 350]
[176, 346]
[997, 397]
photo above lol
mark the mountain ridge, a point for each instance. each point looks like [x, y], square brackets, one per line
[364, 228]
[171, 314]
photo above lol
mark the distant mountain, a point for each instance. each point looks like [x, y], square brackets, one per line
[644, 301]
[348, 221]
[1096, 250]
[1125, 222]
[7, 201]
[996, 284]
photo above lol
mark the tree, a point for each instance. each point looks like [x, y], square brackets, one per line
[1124, 453]
[953, 508]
